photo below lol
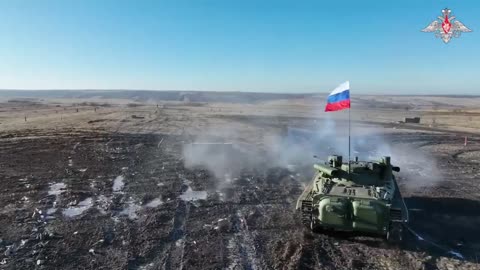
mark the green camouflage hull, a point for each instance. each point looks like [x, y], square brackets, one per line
[367, 199]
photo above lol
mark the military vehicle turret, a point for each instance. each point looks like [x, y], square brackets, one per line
[357, 196]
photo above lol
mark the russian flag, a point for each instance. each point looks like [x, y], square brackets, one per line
[339, 99]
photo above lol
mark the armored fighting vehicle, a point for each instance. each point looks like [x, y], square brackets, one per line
[356, 196]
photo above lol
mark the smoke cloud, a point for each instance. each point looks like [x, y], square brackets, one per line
[220, 151]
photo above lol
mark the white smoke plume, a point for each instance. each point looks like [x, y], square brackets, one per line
[225, 154]
[219, 151]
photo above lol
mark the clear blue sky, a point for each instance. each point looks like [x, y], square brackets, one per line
[237, 45]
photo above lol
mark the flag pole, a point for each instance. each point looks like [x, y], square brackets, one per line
[349, 162]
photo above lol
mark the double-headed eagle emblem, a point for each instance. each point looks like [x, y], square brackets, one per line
[446, 26]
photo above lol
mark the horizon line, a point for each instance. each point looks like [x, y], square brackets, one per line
[227, 91]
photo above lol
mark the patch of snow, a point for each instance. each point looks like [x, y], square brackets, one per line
[191, 195]
[118, 184]
[57, 189]
[179, 243]
[154, 203]
[83, 170]
[131, 210]
[82, 206]
[23, 242]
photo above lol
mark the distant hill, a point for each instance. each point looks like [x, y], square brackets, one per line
[210, 96]
[144, 95]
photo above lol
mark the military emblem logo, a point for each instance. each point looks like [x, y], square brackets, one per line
[446, 26]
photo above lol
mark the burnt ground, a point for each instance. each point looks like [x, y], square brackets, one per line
[94, 200]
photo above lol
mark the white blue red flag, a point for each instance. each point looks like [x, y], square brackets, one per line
[339, 99]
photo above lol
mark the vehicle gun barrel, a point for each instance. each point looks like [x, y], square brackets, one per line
[326, 170]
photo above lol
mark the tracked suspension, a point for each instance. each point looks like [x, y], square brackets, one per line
[307, 210]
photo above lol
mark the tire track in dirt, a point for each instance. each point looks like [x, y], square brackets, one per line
[242, 246]
[174, 258]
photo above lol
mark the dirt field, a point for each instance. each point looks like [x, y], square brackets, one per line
[111, 187]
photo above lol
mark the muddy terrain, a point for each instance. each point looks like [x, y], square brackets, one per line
[105, 190]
